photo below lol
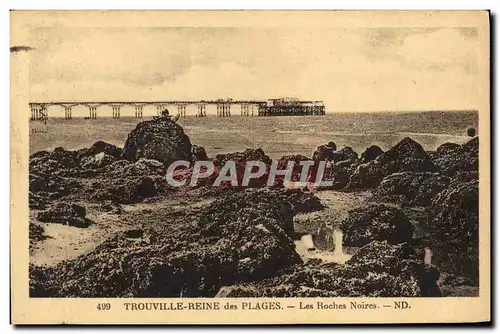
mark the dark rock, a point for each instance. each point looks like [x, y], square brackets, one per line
[376, 270]
[134, 233]
[142, 167]
[455, 280]
[454, 221]
[159, 139]
[405, 156]
[332, 145]
[36, 233]
[345, 154]
[447, 147]
[302, 201]
[371, 153]
[376, 222]
[471, 132]
[411, 188]
[66, 214]
[128, 190]
[199, 153]
[103, 147]
[341, 172]
[240, 159]
[37, 201]
[51, 186]
[323, 153]
[242, 237]
[452, 159]
[282, 163]
[69, 159]
[39, 154]
[472, 146]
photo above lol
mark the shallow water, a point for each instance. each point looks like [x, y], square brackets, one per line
[428, 255]
[307, 250]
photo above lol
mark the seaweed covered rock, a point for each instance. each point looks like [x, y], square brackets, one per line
[341, 172]
[69, 159]
[159, 139]
[65, 214]
[142, 167]
[36, 233]
[411, 188]
[405, 156]
[302, 201]
[199, 153]
[371, 153]
[377, 270]
[376, 222]
[111, 207]
[102, 147]
[78, 163]
[240, 159]
[127, 190]
[346, 153]
[37, 201]
[282, 163]
[324, 152]
[229, 208]
[454, 220]
[453, 159]
[447, 147]
[41, 163]
[258, 224]
[49, 186]
[242, 237]
[53, 184]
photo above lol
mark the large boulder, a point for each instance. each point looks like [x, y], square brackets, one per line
[302, 201]
[346, 153]
[371, 153]
[199, 153]
[69, 159]
[376, 222]
[405, 156]
[324, 152]
[159, 139]
[377, 270]
[127, 190]
[453, 158]
[65, 214]
[44, 188]
[411, 188]
[454, 221]
[102, 147]
[282, 163]
[341, 172]
[240, 159]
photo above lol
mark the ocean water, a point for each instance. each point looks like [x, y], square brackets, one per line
[277, 136]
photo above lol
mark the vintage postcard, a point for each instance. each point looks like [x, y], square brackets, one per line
[250, 167]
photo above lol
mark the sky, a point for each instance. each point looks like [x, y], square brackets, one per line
[372, 69]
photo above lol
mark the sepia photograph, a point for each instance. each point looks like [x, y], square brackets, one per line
[247, 161]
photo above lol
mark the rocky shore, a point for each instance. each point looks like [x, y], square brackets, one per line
[204, 241]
